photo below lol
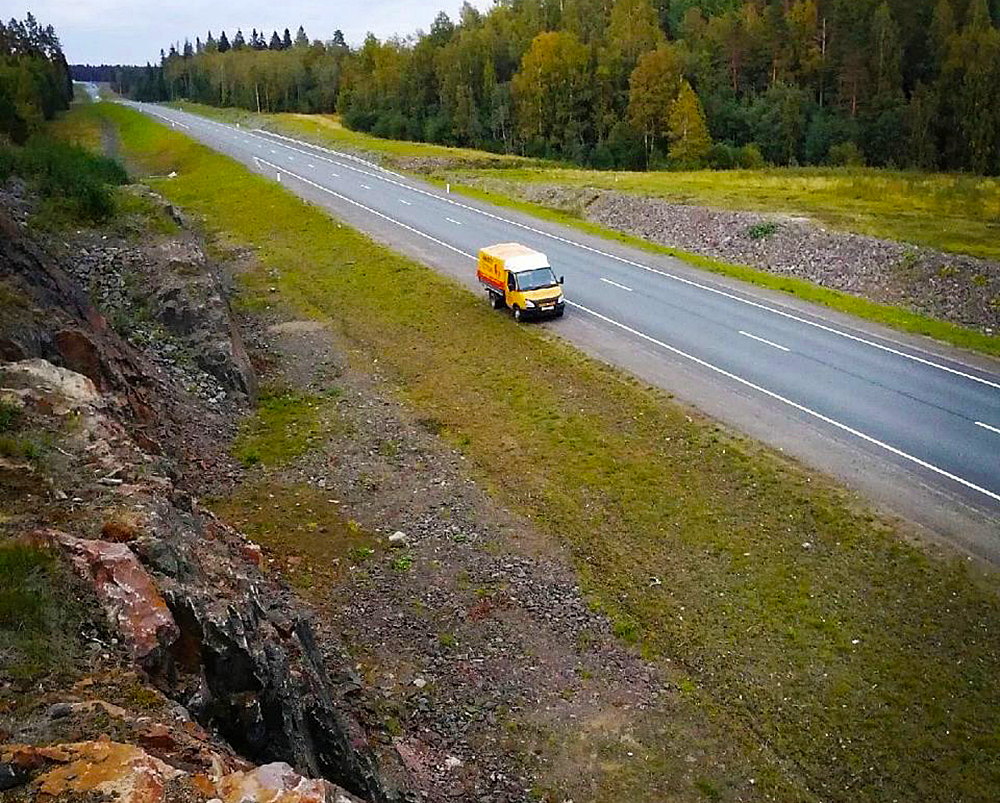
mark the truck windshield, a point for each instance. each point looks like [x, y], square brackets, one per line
[536, 279]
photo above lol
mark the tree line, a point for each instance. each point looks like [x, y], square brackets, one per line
[644, 83]
[35, 80]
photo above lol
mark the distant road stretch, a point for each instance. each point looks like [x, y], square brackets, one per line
[913, 425]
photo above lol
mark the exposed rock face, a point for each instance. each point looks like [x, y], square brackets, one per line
[130, 774]
[56, 390]
[127, 593]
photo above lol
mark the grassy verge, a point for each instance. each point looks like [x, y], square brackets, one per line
[866, 667]
[285, 426]
[823, 193]
[893, 317]
[38, 631]
[956, 213]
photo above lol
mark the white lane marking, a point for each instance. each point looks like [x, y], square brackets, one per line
[762, 340]
[291, 158]
[273, 150]
[365, 186]
[673, 349]
[657, 271]
[312, 166]
[826, 419]
[407, 203]
[327, 150]
[452, 220]
[987, 426]
[366, 208]
[615, 284]
[626, 261]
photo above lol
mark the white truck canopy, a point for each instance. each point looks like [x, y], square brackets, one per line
[516, 257]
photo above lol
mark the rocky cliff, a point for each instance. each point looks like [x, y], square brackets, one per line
[198, 673]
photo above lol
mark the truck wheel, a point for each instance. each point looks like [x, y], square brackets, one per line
[517, 313]
[559, 313]
[495, 301]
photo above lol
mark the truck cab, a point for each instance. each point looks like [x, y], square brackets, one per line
[520, 279]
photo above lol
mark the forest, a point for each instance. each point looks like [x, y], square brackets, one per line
[34, 78]
[634, 84]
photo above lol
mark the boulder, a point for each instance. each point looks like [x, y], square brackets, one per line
[54, 389]
[278, 782]
[127, 593]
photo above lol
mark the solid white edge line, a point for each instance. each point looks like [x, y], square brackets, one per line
[615, 284]
[778, 397]
[762, 340]
[366, 208]
[673, 349]
[987, 426]
[657, 271]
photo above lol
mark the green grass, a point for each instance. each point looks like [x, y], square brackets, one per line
[812, 631]
[284, 426]
[37, 627]
[885, 314]
[955, 213]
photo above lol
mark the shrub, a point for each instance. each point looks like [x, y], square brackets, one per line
[749, 157]
[846, 154]
[10, 417]
[722, 157]
[761, 231]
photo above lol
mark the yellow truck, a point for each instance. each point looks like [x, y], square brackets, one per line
[521, 279]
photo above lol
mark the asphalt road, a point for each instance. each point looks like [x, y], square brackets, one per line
[913, 425]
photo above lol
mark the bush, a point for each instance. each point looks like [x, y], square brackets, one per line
[846, 154]
[749, 157]
[722, 157]
[74, 181]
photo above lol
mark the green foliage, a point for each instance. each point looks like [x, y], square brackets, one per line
[10, 417]
[37, 625]
[847, 154]
[75, 182]
[762, 231]
[690, 142]
[908, 83]
[34, 78]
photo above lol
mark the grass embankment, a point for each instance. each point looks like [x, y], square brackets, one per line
[865, 666]
[953, 213]
[949, 212]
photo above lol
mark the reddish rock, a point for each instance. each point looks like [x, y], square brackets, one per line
[81, 355]
[126, 591]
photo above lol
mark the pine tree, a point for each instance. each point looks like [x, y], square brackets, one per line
[301, 40]
[338, 39]
[211, 45]
[689, 138]
[275, 41]
[223, 42]
[238, 41]
[286, 40]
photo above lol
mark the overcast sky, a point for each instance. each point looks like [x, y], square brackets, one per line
[120, 32]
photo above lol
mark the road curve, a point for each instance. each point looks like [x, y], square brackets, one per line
[913, 425]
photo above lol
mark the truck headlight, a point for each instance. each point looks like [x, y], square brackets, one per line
[529, 303]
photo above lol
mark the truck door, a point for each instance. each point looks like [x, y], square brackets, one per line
[511, 287]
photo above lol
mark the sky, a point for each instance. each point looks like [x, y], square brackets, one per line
[121, 32]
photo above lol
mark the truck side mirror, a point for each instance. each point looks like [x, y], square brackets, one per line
[562, 280]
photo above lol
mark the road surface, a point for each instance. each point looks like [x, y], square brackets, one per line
[913, 425]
